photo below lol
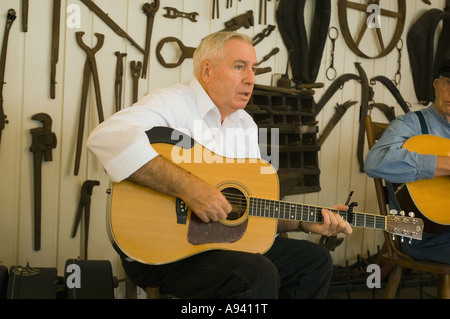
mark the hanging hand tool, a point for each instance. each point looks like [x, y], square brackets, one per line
[262, 7]
[119, 80]
[84, 204]
[43, 141]
[263, 34]
[284, 81]
[269, 55]
[186, 52]
[24, 15]
[393, 89]
[150, 11]
[135, 73]
[110, 23]
[388, 111]
[173, 13]
[332, 89]
[339, 113]
[260, 71]
[243, 20]
[90, 66]
[11, 16]
[215, 8]
[55, 45]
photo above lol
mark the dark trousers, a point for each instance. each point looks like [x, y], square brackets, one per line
[290, 269]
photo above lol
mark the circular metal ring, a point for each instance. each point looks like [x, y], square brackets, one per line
[330, 35]
[331, 73]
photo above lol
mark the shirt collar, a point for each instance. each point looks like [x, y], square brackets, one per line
[204, 102]
[206, 105]
[439, 117]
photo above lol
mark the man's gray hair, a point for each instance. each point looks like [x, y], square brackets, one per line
[211, 47]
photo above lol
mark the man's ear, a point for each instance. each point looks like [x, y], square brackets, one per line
[205, 70]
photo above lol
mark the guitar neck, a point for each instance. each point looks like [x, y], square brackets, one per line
[292, 211]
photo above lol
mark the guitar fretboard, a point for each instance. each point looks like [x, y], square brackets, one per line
[292, 211]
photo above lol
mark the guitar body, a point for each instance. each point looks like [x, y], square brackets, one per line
[431, 197]
[144, 222]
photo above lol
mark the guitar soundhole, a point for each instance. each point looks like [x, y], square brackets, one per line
[238, 202]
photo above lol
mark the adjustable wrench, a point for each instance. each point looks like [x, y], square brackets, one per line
[43, 141]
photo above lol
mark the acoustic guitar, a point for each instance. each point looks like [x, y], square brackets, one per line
[156, 228]
[428, 198]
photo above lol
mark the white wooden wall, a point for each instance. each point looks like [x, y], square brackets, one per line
[27, 92]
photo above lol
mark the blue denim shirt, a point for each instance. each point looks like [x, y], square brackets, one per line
[389, 161]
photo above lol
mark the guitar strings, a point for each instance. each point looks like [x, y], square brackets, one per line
[239, 202]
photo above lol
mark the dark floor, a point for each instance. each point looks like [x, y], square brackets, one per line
[362, 292]
[350, 283]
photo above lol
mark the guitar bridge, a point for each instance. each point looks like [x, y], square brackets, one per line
[181, 210]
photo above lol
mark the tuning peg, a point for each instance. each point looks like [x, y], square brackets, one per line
[402, 213]
[393, 212]
[411, 214]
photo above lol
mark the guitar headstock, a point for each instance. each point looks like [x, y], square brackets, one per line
[401, 225]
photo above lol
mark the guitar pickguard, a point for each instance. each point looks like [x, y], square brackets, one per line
[200, 233]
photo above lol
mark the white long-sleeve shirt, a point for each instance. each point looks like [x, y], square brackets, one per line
[122, 146]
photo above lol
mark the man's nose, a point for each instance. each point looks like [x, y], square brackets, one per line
[250, 77]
